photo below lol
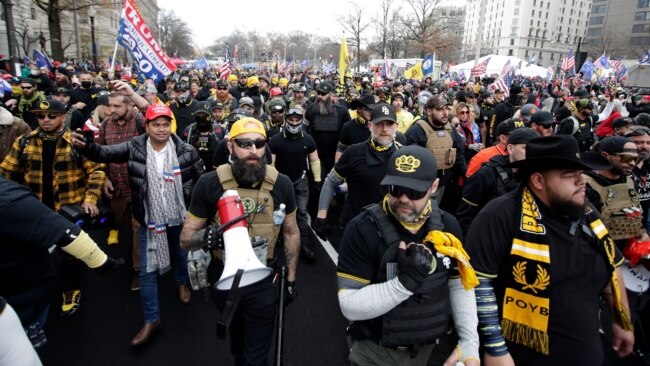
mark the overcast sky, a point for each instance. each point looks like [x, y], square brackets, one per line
[212, 20]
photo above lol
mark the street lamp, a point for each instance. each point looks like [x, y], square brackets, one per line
[91, 14]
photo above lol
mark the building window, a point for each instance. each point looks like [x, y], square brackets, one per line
[32, 12]
[510, 52]
[516, 11]
[641, 28]
[643, 4]
[598, 9]
[518, 2]
[512, 41]
[642, 15]
[596, 20]
[640, 41]
[593, 32]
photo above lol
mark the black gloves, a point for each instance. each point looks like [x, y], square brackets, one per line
[317, 187]
[109, 266]
[213, 237]
[321, 227]
[414, 265]
[290, 293]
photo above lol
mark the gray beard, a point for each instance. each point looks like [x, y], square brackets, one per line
[325, 107]
[248, 174]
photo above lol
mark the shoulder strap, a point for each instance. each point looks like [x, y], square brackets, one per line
[227, 180]
[270, 178]
[576, 125]
[435, 219]
[385, 228]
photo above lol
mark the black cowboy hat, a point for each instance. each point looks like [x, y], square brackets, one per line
[558, 152]
[367, 101]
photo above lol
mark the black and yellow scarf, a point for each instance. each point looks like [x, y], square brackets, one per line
[530, 259]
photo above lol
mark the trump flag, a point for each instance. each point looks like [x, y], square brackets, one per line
[136, 37]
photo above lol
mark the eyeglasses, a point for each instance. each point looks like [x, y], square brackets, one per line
[626, 159]
[222, 88]
[27, 87]
[546, 127]
[277, 111]
[463, 112]
[248, 143]
[397, 191]
[49, 115]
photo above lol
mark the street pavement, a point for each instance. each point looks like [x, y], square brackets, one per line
[111, 314]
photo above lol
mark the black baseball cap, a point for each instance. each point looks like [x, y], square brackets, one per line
[62, 90]
[203, 107]
[325, 87]
[543, 118]
[48, 105]
[522, 136]
[383, 112]
[411, 167]
[216, 104]
[615, 145]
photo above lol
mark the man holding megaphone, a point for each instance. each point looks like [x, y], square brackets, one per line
[262, 192]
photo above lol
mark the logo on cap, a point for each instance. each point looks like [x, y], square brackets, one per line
[385, 111]
[44, 105]
[407, 164]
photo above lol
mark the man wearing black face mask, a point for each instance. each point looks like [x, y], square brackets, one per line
[204, 134]
[84, 98]
[183, 106]
[507, 109]
[290, 150]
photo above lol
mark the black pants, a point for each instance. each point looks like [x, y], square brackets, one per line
[251, 330]
[301, 190]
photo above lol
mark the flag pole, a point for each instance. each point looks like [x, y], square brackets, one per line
[114, 54]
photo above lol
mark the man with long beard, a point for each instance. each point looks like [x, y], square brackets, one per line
[264, 189]
[543, 258]
[361, 166]
[640, 135]
[326, 120]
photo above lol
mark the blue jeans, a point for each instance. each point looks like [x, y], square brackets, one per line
[149, 280]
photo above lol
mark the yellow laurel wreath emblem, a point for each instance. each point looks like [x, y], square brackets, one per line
[541, 281]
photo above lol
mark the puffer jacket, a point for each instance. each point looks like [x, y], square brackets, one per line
[135, 153]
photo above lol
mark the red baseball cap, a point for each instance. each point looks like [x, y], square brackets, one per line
[158, 110]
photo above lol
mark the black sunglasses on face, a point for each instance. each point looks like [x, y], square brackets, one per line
[50, 115]
[27, 87]
[322, 93]
[248, 143]
[222, 88]
[397, 191]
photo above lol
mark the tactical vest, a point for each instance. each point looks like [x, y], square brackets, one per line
[440, 143]
[328, 123]
[258, 204]
[424, 316]
[582, 132]
[505, 181]
[615, 198]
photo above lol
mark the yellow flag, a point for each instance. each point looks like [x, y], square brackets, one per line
[414, 72]
[343, 60]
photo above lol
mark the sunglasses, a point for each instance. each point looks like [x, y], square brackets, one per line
[27, 87]
[278, 111]
[397, 191]
[463, 112]
[248, 143]
[626, 159]
[50, 115]
[322, 93]
[222, 88]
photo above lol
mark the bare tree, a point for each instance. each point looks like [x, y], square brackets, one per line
[174, 34]
[425, 26]
[354, 24]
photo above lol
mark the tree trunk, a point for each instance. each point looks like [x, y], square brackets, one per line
[54, 24]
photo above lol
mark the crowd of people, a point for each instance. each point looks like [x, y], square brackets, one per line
[478, 225]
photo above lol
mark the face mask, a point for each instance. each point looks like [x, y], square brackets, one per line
[293, 129]
[202, 118]
[183, 98]
[86, 84]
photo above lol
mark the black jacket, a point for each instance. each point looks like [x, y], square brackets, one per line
[135, 153]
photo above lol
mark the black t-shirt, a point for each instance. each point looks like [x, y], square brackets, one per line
[578, 274]
[363, 169]
[292, 153]
[184, 114]
[362, 248]
[353, 132]
[87, 96]
[208, 191]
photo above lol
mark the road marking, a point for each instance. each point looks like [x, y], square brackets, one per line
[329, 249]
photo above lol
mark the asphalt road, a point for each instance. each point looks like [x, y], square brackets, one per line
[111, 314]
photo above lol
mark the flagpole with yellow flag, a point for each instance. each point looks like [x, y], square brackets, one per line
[343, 60]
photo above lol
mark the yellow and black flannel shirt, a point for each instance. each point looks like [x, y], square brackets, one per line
[76, 179]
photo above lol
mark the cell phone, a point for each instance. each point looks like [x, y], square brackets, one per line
[89, 136]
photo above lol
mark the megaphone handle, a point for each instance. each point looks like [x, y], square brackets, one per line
[229, 309]
[228, 224]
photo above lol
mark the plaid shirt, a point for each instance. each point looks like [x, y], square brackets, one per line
[111, 133]
[76, 179]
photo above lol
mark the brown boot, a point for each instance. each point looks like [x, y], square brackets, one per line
[184, 294]
[145, 333]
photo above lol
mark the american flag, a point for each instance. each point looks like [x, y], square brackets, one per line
[569, 61]
[532, 60]
[645, 59]
[601, 62]
[506, 68]
[616, 63]
[550, 72]
[224, 69]
[386, 71]
[500, 84]
[480, 68]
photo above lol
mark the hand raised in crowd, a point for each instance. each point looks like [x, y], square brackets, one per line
[78, 139]
[123, 87]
